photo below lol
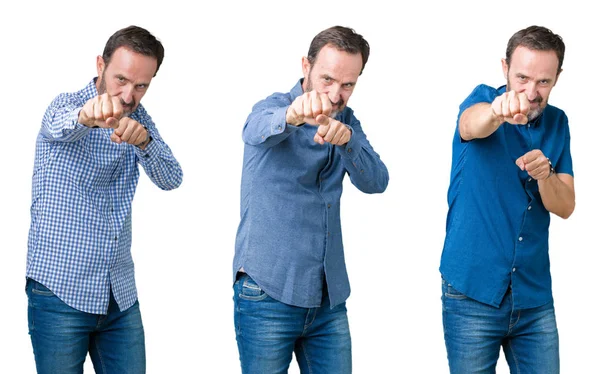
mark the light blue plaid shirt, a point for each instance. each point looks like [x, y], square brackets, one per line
[83, 186]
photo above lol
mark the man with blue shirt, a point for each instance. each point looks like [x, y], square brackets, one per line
[511, 168]
[290, 280]
[80, 274]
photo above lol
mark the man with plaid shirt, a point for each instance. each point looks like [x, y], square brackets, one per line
[80, 274]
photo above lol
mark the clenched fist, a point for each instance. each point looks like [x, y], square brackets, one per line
[101, 111]
[535, 163]
[130, 131]
[331, 131]
[511, 107]
[307, 107]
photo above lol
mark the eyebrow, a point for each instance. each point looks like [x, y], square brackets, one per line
[127, 79]
[325, 75]
[539, 80]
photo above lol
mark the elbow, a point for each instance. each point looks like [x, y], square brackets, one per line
[464, 132]
[567, 212]
[382, 186]
[379, 187]
[173, 183]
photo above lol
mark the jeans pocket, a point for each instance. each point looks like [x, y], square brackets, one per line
[451, 293]
[250, 290]
[39, 289]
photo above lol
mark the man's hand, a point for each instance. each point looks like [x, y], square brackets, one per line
[511, 107]
[101, 111]
[307, 107]
[131, 132]
[535, 163]
[331, 131]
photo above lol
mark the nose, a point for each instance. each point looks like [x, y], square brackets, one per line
[334, 94]
[531, 91]
[127, 94]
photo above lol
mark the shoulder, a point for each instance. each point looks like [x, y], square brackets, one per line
[481, 94]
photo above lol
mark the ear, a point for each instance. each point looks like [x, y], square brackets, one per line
[557, 75]
[505, 68]
[305, 67]
[100, 66]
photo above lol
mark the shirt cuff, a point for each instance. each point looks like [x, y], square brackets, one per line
[74, 118]
[151, 150]
[349, 150]
[278, 124]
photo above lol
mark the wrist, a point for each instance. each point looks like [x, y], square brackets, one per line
[552, 171]
[143, 144]
[496, 119]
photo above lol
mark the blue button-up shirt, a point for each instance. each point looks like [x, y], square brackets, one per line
[497, 225]
[290, 238]
[83, 185]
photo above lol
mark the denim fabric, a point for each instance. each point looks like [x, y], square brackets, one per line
[290, 232]
[268, 332]
[62, 336]
[474, 333]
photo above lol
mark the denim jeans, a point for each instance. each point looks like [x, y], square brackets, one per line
[268, 332]
[62, 336]
[474, 333]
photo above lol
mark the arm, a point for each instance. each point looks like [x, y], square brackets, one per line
[478, 122]
[60, 122]
[558, 194]
[557, 190]
[157, 159]
[483, 119]
[366, 170]
[266, 126]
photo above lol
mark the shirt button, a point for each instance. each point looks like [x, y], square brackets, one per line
[520, 238]
[349, 150]
[528, 125]
[529, 207]
[529, 180]
[279, 127]
[328, 233]
[329, 205]
[115, 238]
[514, 269]
[362, 171]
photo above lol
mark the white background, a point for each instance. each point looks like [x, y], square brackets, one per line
[223, 57]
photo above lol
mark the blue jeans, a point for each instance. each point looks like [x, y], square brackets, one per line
[474, 333]
[62, 336]
[268, 332]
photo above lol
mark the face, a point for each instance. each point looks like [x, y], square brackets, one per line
[533, 72]
[334, 73]
[127, 76]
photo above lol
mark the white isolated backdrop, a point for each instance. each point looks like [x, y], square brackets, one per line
[221, 58]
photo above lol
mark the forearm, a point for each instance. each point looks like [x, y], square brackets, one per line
[558, 194]
[60, 123]
[365, 168]
[477, 122]
[267, 127]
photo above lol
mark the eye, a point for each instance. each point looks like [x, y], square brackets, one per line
[121, 79]
[348, 86]
[327, 79]
[521, 78]
[141, 87]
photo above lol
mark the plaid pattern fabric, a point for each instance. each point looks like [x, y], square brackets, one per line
[83, 186]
